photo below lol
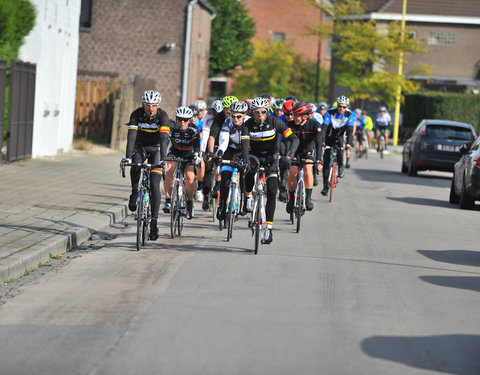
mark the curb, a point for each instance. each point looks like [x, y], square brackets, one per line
[30, 258]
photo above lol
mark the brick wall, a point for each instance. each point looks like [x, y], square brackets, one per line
[125, 37]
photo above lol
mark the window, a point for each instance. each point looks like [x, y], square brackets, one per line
[86, 13]
[278, 36]
[441, 38]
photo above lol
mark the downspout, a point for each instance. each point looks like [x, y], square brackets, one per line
[186, 56]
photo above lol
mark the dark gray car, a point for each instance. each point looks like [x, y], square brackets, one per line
[435, 145]
[465, 188]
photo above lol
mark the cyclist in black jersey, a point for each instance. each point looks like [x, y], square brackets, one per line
[185, 140]
[229, 148]
[309, 133]
[261, 137]
[147, 137]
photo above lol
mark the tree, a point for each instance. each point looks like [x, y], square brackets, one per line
[366, 55]
[17, 18]
[277, 69]
[232, 31]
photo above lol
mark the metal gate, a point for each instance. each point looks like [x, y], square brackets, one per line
[20, 110]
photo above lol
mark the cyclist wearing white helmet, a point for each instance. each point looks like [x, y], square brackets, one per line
[147, 137]
[261, 137]
[202, 108]
[277, 107]
[185, 140]
[382, 122]
[337, 122]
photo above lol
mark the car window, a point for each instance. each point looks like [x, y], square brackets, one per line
[449, 132]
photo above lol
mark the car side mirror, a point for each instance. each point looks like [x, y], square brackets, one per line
[464, 149]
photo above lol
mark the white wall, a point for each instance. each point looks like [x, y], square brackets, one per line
[53, 46]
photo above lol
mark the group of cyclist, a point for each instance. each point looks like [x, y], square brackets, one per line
[279, 135]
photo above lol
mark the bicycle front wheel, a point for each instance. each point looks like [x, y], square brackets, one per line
[300, 204]
[333, 180]
[174, 210]
[257, 222]
[146, 218]
[232, 198]
[182, 206]
[140, 240]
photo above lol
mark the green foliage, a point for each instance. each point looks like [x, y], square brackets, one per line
[277, 69]
[445, 106]
[232, 31]
[366, 55]
[17, 18]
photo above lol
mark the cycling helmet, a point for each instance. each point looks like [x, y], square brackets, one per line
[183, 112]
[383, 109]
[194, 109]
[314, 107]
[302, 108]
[322, 105]
[358, 111]
[260, 103]
[266, 96]
[238, 106]
[151, 97]
[227, 100]
[201, 104]
[278, 104]
[343, 100]
[217, 106]
[288, 105]
[291, 97]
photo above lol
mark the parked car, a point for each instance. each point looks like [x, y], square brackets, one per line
[435, 145]
[465, 188]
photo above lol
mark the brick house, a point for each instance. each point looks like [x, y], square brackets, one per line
[450, 30]
[162, 45]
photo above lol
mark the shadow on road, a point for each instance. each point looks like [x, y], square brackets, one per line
[459, 282]
[423, 201]
[380, 175]
[453, 354]
[462, 257]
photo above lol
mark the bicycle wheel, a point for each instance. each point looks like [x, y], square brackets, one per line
[140, 240]
[146, 219]
[257, 222]
[300, 204]
[382, 146]
[333, 180]
[182, 206]
[174, 210]
[232, 201]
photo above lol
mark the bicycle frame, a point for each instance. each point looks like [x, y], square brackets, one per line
[257, 219]
[233, 199]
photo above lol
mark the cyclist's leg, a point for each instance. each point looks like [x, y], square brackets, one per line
[226, 172]
[326, 170]
[282, 188]
[291, 185]
[272, 187]
[308, 178]
[249, 182]
[155, 178]
[340, 159]
[138, 156]
[168, 184]
[189, 171]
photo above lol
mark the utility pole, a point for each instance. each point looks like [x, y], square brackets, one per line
[319, 47]
[400, 72]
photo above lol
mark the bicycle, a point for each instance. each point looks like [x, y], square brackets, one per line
[234, 200]
[178, 198]
[333, 175]
[143, 216]
[257, 218]
[299, 196]
[381, 143]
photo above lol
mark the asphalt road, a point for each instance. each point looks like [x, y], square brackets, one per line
[384, 280]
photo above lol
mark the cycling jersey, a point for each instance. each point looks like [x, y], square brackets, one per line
[368, 122]
[264, 139]
[184, 142]
[217, 126]
[383, 121]
[335, 126]
[230, 135]
[207, 124]
[310, 137]
[146, 131]
[318, 117]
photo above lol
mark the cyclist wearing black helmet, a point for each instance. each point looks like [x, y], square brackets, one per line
[147, 137]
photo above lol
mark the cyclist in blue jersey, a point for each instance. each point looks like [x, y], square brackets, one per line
[337, 122]
[277, 108]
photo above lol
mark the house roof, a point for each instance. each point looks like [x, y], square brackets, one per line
[457, 8]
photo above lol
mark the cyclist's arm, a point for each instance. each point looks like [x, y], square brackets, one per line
[245, 142]
[351, 128]
[165, 124]
[318, 142]
[131, 135]
[223, 140]
[288, 134]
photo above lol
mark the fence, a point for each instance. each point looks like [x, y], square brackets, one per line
[20, 111]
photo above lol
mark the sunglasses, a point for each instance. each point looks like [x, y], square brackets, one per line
[342, 106]
[288, 114]
[237, 116]
[260, 112]
[180, 119]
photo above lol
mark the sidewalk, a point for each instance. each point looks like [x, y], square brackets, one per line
[48, 207]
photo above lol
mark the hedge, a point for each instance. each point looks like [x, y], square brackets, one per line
[444, 106]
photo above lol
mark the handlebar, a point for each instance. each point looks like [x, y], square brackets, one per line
[124, 163]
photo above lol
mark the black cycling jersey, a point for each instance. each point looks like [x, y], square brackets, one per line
[148, 132]
[217, 126]
[264, 140]
[310, 136]
[184, 142]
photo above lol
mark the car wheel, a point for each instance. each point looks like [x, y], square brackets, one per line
[454, 198]
[404, 167]
[412, 171]
[466, 201]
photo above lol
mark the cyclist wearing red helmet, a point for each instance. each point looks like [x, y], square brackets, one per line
[286, 117]
[309, 133]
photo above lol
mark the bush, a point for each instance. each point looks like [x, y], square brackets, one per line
[445, 106]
